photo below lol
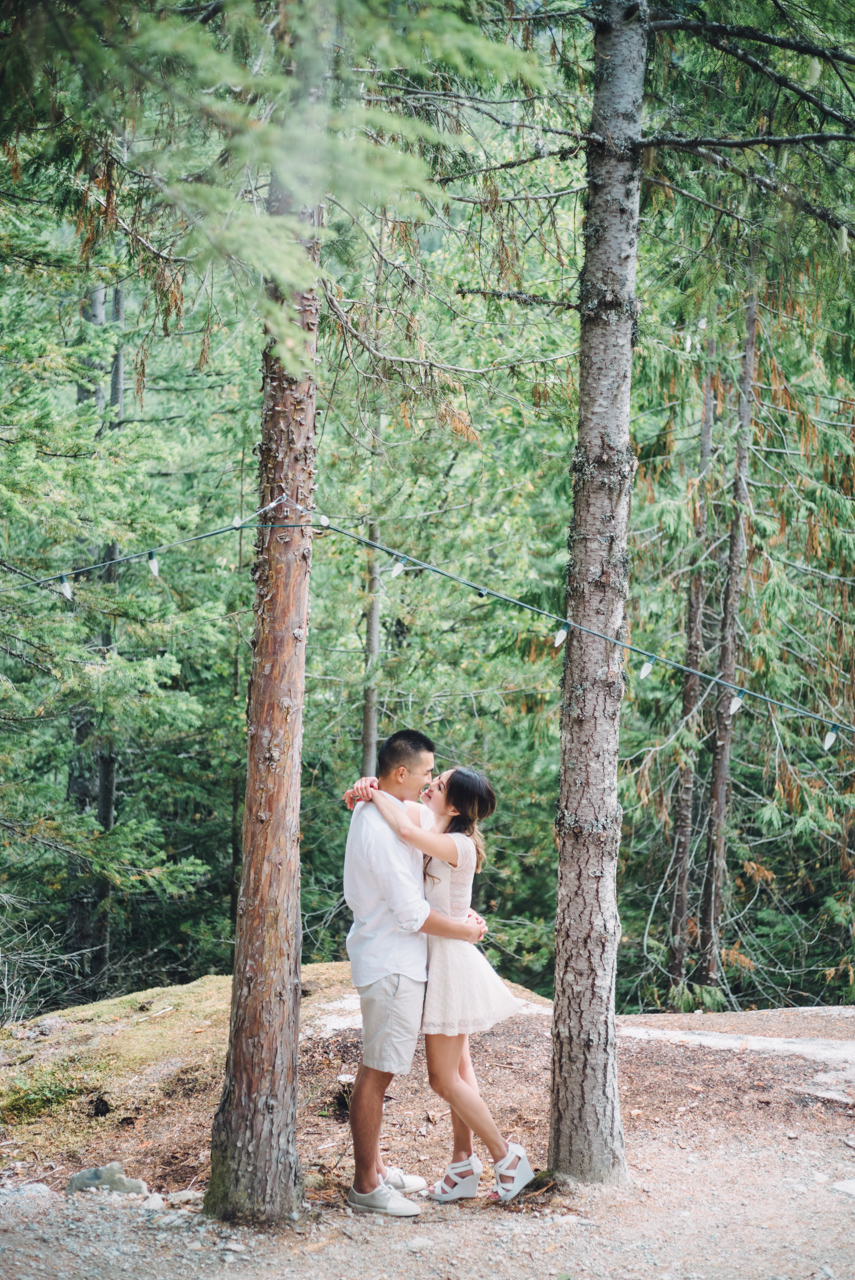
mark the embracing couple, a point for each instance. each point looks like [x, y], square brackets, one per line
[408, 873]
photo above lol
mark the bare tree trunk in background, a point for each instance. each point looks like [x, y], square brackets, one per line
[117, 373]
[372, 657]
[586, 1132]
[94, 312]
[255, 1172]
[106, 797]
[83, 775]
[679, 938]
[238, 779]
[372, 614]
[717, 833]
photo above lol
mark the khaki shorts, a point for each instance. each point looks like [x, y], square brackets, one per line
[391, 1018]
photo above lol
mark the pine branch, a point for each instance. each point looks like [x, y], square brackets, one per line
[708, 204]
[563, 153]
[766, 69]
[681, 143]
[388, 357]
[727, 32]
[517, 295]
[785, 190]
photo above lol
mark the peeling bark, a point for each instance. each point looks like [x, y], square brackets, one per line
[717, 832]
[679, 939]
[586, 1132]
[255, 1172]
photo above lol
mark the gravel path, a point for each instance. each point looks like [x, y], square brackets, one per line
[740, 1131]
[738, 1211]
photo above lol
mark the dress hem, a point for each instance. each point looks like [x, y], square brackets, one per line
[472, 1028]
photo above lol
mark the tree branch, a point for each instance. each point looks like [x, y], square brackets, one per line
[669, 186]
[784, 190]
[517, 295]
[563, 153]
[681, 143]
[727, 32]
[388, 357]
[765, 68]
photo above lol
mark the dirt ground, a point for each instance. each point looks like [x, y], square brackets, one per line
[734, 1152]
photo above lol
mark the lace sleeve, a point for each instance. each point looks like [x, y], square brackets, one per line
[425, 818]
[466, 854]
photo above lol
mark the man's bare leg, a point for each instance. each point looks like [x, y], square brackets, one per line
[366, 1119]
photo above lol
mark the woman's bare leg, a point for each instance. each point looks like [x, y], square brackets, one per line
[462, 1134]
[444, 1055]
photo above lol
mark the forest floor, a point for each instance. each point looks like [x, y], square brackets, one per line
[740, 1134]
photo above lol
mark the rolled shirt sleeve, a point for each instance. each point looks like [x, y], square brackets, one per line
[403, 896]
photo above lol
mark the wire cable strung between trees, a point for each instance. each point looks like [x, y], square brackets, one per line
[403, 561]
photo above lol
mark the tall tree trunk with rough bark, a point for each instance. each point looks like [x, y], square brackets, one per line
[372, 657]
[679, 935]
[255, 1173]
[717, 830]
[586, 1132]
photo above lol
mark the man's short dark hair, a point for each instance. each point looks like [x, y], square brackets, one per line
[403, 748]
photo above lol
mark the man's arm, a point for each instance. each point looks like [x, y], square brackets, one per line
[439, 926]
[402, 892]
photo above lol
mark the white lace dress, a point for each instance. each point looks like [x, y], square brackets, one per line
[464, 993]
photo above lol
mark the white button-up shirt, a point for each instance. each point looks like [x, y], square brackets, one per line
[384, 888]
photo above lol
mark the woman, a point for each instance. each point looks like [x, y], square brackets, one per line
[464, 994]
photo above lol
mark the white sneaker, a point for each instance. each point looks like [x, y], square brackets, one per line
[383, 1199]
[406, 1184]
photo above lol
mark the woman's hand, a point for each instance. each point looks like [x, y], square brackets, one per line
[360, 790]
[477, 925]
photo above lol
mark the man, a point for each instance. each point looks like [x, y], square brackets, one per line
[387, 946]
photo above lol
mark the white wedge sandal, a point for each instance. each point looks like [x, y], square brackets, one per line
[464, 1177]
[519, 1176]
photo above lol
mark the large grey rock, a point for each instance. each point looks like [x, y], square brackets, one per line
[110, 1177]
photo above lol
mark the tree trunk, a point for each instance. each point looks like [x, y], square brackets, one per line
[255, 1172]
[83, 774]
[586, 1132]
[691, 691]
[717, 833]
[372, 656]
[117, 373]
[94, 311]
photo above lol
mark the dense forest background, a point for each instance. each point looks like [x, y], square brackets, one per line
[129, 408]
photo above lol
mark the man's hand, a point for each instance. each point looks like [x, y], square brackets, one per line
[360, 790]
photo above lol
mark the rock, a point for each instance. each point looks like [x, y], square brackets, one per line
[184, 1197]
[110, 1177]
[20, 1203]
[36, 1190]
[420, 1244]
[154, 1201]
[309, 988]
[234, 1246]
[847, 1187]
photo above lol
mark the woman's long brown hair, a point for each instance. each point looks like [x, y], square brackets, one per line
[471, 794]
